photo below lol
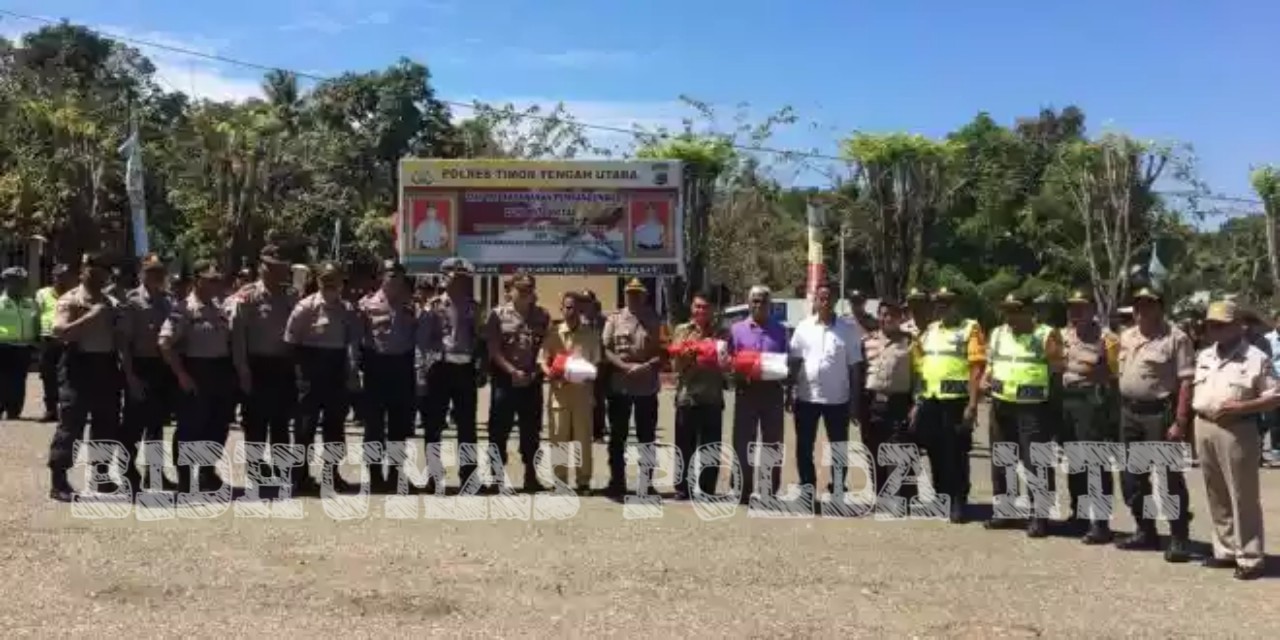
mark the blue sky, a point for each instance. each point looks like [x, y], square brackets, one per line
[1195, 71]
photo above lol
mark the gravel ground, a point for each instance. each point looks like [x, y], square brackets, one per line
[595, 574]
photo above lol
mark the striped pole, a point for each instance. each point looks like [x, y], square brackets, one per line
[817, 272]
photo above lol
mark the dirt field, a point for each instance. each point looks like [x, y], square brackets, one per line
[596, 574]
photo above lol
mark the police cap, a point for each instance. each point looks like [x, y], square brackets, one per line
[14, 273]
[457, 266]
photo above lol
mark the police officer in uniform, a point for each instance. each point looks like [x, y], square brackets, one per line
[389, 322]
[263, 361]
[1091, 361]
[919, 312]
[450, 366]
[88, 374]
[889, 378]
[19, 329]
[324, 332]
[633, 347]
[570, 405]
[593, 316]
[515, 331]
[1024, 358]
[1157, 365]
[50, 347]
[950, 359]
[150, 388]
[196, 343]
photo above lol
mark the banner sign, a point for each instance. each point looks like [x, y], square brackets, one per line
[567, 217]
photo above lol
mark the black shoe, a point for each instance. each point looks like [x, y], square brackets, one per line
[615, 489]
[998, 524]
[957, 512]
[107, 487]
[1177, 550]
[1037, 528]
[1213, 562]
[49, 416]
[12, 416]
[305, 486]
[1099, 533]
[60, 489]
[340, 485]
[681, 496]
[1141, 540]
[210, 480]
[531, 484]
[1248, 573]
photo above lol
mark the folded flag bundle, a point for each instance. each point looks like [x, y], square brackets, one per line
[708, 352]
[571, 368]
[758, 366]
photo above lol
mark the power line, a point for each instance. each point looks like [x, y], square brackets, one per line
[788, 153]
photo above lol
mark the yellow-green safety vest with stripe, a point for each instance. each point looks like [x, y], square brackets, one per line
[944, 367]
[47, 301]
[17, 321]
[1019, 366]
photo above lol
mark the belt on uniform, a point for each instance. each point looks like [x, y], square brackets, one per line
[1146, 406]
[1079, 389]
[887, 396]
[457, 358]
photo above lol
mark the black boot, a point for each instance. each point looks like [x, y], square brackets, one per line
[108, 485]
[210, 480]
[1179, 548]
[1099, 533]
[59, 488]
[340, 485]
[1144, 539]
[957, 510]
[1037, 528]
[377, 482]
[531, 484]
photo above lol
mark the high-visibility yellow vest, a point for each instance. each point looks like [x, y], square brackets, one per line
[944, 367]
[17, 321]
[1019, 367]
[47, 301]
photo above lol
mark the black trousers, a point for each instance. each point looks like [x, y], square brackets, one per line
[886, 423]
[145, 417]
[519, 407]
[322, 376]
[451, 393]
[697, 426]
[88, 395]
[204, 415]
[835, 418]
[621, 410]
[1086, 418]
[50, 355]
[1147, 422]
[389, 397]
[599, 412]
[269, 406]
[1022, 425]
[941, 432]
[15, 362]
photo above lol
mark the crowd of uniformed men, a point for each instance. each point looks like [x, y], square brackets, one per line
[297, 362]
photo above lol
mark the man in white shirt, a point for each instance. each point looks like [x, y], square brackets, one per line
[827, 353]
[430, 233]
[649, 234]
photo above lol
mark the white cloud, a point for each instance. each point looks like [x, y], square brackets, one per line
[583, 58]
[192, 74]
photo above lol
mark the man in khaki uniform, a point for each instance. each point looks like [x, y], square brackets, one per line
[324, 332]
[389, 334]
[89, 374]
[264, 364]
[571, 405]
[632, 340]
[514, 332]
[1156, 367]
[196, 343]
[699, 399]
[1234, 382]
[151, 390]
[1092, 353]
[888, 353]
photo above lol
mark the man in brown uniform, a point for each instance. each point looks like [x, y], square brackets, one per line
[570, 407]
[1234, 383]
[632, 346]
[150, 388]
[449, 358]
[699, 400]
[86, 322]
[514, 332]
[263, 362]
[196, 343]
[1091, 360]
[324, 332]
[1156, 368]
[389, 327]
[888, 353]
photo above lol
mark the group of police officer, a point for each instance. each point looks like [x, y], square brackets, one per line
[1081, 382]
